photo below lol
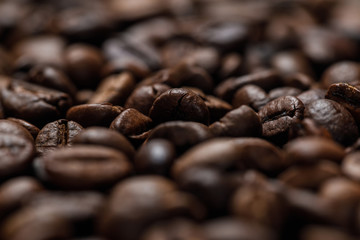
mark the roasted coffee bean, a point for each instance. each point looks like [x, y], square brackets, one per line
[341, 72]
[131, 122]
[299, 81]
[57, 134]
[94, 114]
[321, 232]
[217, 107]
[83, 96]
[232, 65]
[307, 127]
[279, 115]
[348, 96]
[207, 58]
[114, 89]
[52, 78]
[34, 103]
[311, 95]
[155, 157]
[105, 137]
[14, 128]
[14, 191]
[143, 97]
[83, 64]
[310, 176]
[283, 91]
[179, 104]
[313, 149]
[251, 95]
[265, 79]
[33, 130]
[351, 166]
[241, 122]
[83, 167]
[131, 209]
[335, 118]
[290, 62]
[182, 134]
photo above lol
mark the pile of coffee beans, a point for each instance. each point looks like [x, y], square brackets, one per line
[179, 119]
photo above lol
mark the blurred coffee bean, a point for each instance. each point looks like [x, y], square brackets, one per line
[179, 104]
[83, 96]
[341, 190]
[291, 62]
[283, 91]
[335, 118]
[311, 95]
[251, 95]
[57, 134]
[94, 114]
[14, 128]
[299, 81]
[240, 122]
[105, 137]
[231, 65]
[307, 127]
[341, 72]
[351, 166]
[322, 232]
[33, 130]
[217, 107]
[83, 167]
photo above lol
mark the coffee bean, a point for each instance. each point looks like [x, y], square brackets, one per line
[93, 114]
[33, 103]
[33, 130]
[105, 137]
[335, 118]
[321, 232]
[231, 65]
[279, 115]
[307, 127]
[311, 95]
[299, 81]
[217, 107]
[83, 167]
[241, 122]
[283, 91]
[143, 97]
[179, 104]
[155, 157]
[57, 134]
[341, 72]
[350, 166]
[290, 62]
[251, 95]
[14, 128]
[114, 89]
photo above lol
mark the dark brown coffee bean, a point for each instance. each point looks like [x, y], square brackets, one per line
[307, 127]
[234, 228]
[251, 95]
[283, 91]
[83, 64]
[52, 78]
[131, 122]
[231, 65]
[241, 122]
[311, 95]
[265, 79]
[143, 97]
[310, 176]
[207, 58]
[322, 232]
[94, 114]
[57, 134]
[131, 209]
[114, 89]
[14, 191]
[182, 134]
[279, 115]
[105, 137]
[155, 157]
[217, 107]
[33, 130]
[291, 62]
[179, 104]
[299, 81]
[341, 72]
[83, 96]
[13, 128]
[335, 118]
[83, 167]
[313, 149]
[351, 166]
[348, 96]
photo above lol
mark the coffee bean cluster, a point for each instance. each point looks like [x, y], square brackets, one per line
[179, 119]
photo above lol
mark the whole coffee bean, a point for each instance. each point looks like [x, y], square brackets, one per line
[241, 122]
[299, 81]
[341, 190]
[130, 209]
[182, 135]
[348, 96]
[105, 137]
[307, 127]
[267, 80]
[83, 167]
[311, 95]
[251, 95]
[310, 176]
[14, 128]
[322, 232]
[83, 64]
[143, 97]
[33, 130]
[93, 114]
[51, 77]
[341, 72]
[290, 62]
[217, 107]
[351, 166]
[179, 104]
[14, 191]
[131, 122]
[313, 149]
[114, 89]
[234, 228]
[33, 103]
[155, 157]
[335, 118]
[57, 134]
[279, 115]
[283, 91]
